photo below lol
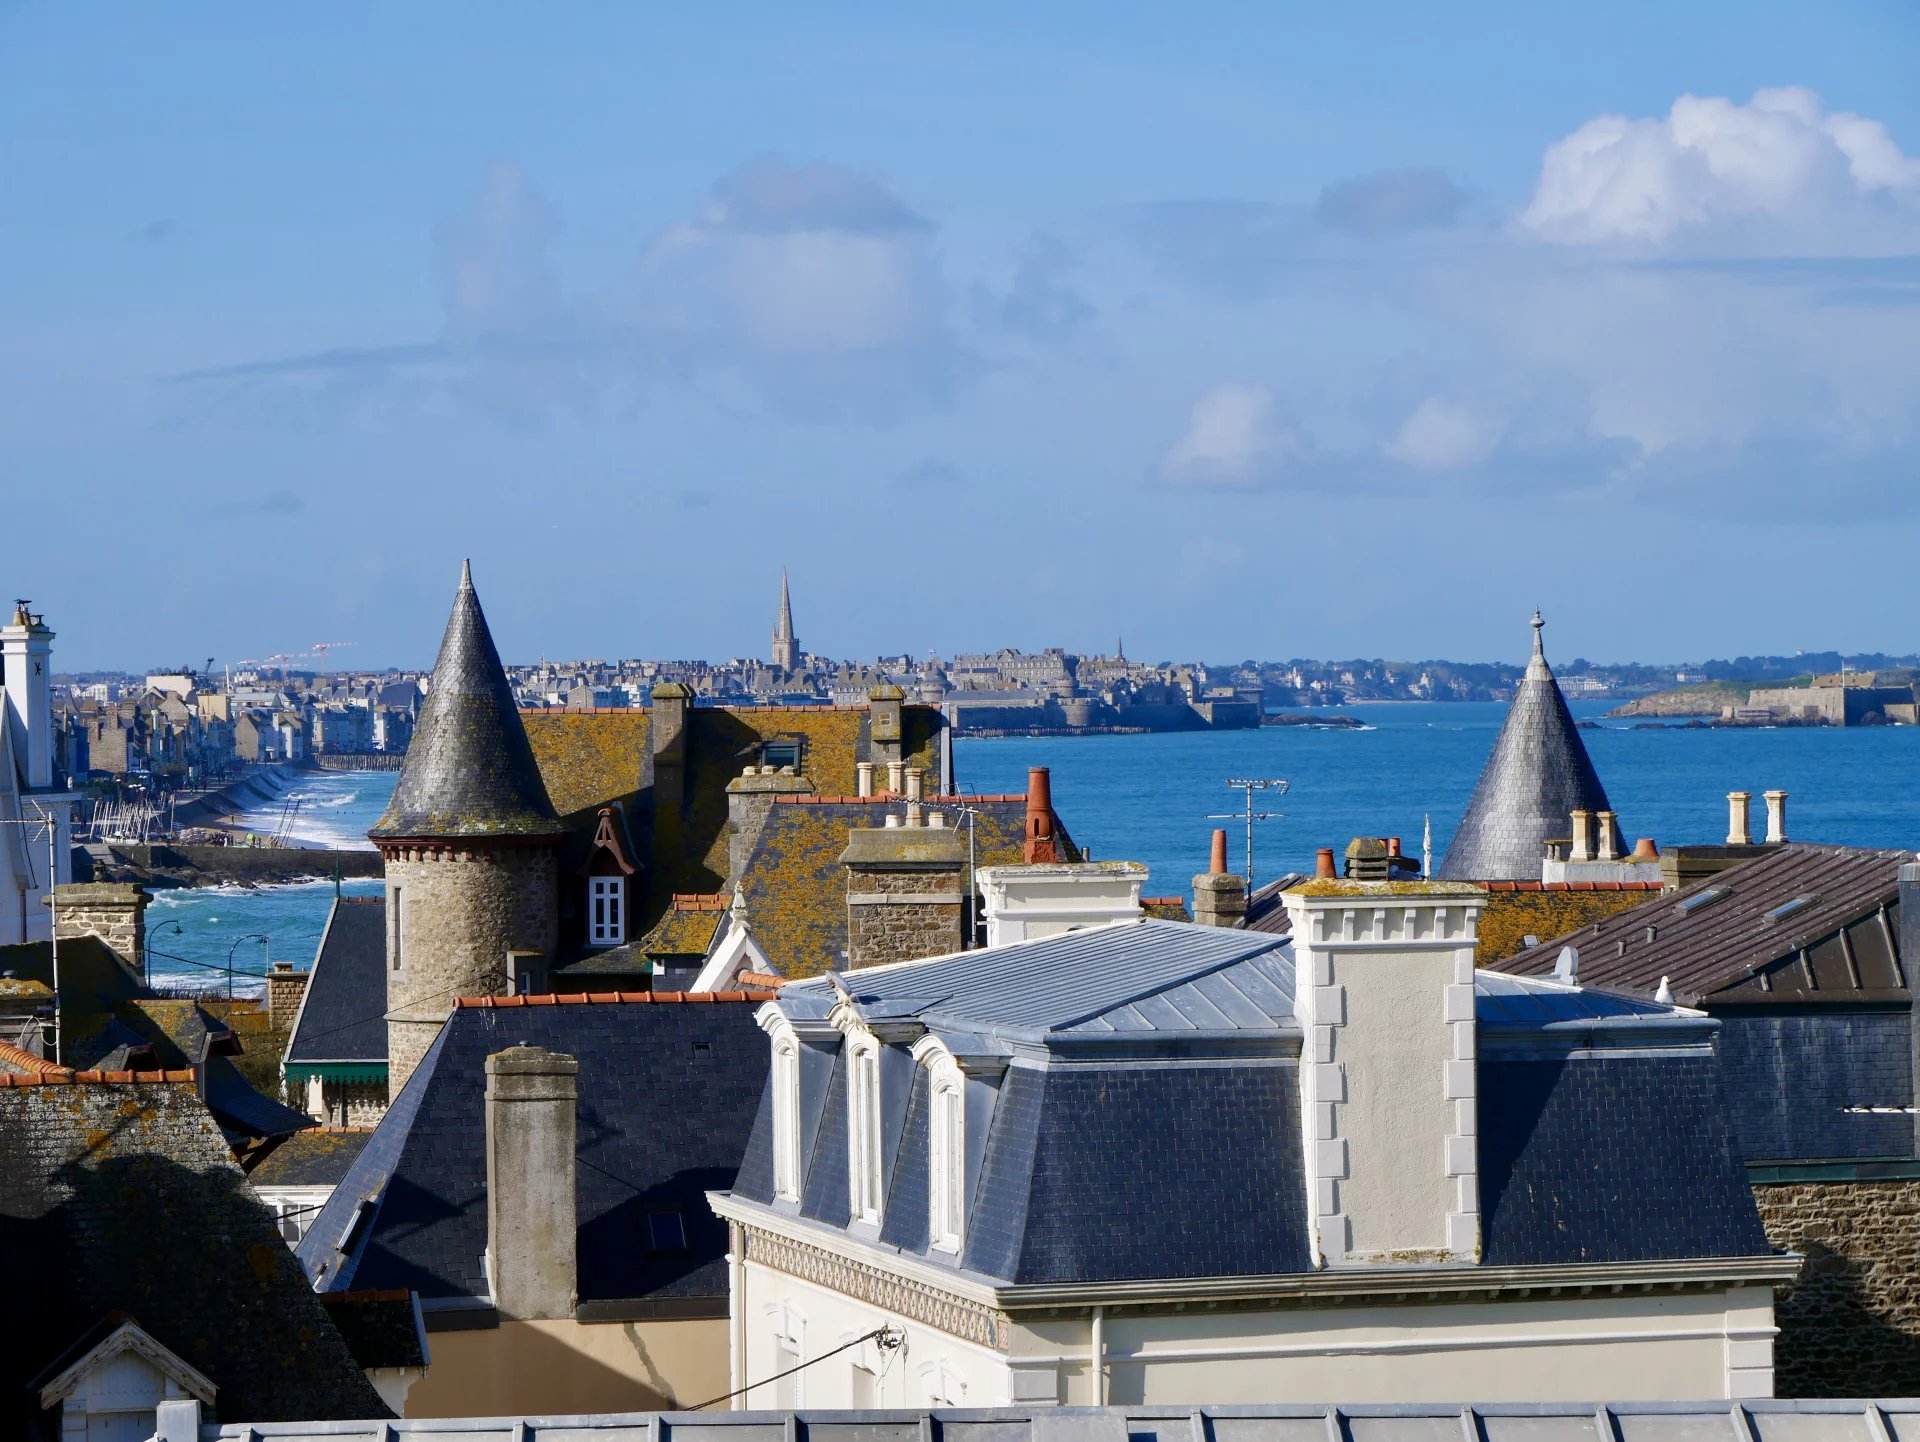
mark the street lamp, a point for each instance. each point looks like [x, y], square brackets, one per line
[259, 936]
[146, 966]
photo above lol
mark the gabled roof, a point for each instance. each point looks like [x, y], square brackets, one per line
[1744, 934]
[118, 1196]
[114, 1335]
[469, 771]
[668, 1086]
[342, 1016]
[1538, 775]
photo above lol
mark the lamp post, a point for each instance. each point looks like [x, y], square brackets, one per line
[259, 936]
[46, 819]
[146, 966]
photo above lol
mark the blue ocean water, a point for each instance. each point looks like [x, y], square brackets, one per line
[1147, 798]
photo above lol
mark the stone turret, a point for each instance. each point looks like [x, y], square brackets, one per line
[1538, 776]
[470, 841]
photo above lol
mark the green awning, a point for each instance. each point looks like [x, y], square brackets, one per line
[346, 1072]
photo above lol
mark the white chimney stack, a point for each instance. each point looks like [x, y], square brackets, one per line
[863, 778]
[1739, 828]
[1776, 817]
[26, 659]
[1582, 837]
[1384, 993]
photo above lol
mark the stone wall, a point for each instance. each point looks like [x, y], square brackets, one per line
[902, 915]
[461, 912]
[1850, 1326]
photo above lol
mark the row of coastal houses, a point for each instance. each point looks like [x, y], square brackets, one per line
[732, 1058]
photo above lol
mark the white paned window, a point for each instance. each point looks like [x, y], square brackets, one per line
[606, 910]
[948, 1171]
[786, 1118]
[863, 1131]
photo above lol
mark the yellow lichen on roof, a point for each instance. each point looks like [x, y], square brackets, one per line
[589, 759]
[1510, 917]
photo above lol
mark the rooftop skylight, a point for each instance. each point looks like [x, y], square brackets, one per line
[1699, 899]
[1791, 908]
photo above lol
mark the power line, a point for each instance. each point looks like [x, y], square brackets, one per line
[887, 1337]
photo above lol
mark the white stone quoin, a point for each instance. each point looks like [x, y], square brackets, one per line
[1384, 995]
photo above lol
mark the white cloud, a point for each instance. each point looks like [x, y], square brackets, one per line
[1781, 158]
[1442, 436]
[1234, 437]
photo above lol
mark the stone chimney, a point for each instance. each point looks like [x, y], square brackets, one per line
[532, 1225]
[906, 896]
[1367, 859]
[116, 912]
[885, 727]
[1609, 823]
[668, 736]
[1739, 829]
[1582, 837]
[1385, 997]
[1219, 897]
[1040, 844]
[1776, 817]
[285, 987]
[749, 799]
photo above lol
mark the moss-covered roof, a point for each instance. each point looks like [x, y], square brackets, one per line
[590, 759]
[1511, 916]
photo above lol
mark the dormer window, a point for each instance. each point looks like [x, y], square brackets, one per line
[780, 753]
[786, 1117]
[606, 910]
[863, 1130]
[946, 1147]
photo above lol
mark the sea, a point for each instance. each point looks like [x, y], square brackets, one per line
[1156, 799]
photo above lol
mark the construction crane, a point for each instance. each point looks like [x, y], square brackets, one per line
[320, 649]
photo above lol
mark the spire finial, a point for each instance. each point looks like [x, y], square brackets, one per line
[466, 575]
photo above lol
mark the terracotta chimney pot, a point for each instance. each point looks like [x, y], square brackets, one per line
[1323, 864]
[1217, 863]
[1645, 850]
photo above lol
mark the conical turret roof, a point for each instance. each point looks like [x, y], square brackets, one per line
[469, 770]
[1538, 775]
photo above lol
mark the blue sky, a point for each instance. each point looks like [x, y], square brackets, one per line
[1251, 329]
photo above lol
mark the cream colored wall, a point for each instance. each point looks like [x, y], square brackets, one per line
[933, 1368]
[1395, 1047]
[530, 1368]
[1656, 1346]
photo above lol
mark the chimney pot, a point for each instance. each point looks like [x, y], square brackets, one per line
[1739, 829]
[863, 778]
[1776, 817]
[1217, 861]
[1323, 865]
[896, 777]
[1040, 847]
[1609, 849]
[1645, 850]
[1393, 846]
[1582, 836]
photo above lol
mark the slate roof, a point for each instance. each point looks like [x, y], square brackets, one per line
[342, 1016]
[182, 1034]
[1716, 941]
[317, 1157]
[469, 771]
[1538, 775]
[124, 1196]
[667, 1093]
[796, 887]
[381, 1329]
[1159, 1060]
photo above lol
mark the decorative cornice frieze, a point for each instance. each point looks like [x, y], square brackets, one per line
[903, 1296]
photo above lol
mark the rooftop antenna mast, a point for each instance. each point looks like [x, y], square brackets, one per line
[1272, 785]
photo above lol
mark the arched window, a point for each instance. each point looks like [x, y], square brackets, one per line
[947, 1147]
[786, 1116]
[863, 1125]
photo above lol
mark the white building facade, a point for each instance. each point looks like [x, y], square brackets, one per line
[36, 806]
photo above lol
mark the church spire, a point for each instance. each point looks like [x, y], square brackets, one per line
[786, 646]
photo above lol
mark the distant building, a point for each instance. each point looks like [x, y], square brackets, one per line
[786, 646]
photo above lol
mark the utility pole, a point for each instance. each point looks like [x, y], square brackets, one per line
[1250, 784]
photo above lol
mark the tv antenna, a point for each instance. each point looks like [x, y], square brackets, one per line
[1267, 785]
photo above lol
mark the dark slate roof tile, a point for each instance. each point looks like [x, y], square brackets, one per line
[343, 1014]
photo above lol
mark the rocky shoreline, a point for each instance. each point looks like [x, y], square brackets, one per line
[165, 866]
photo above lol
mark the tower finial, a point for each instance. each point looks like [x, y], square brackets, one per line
[466, 574]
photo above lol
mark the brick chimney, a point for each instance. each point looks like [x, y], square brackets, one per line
[1385, 996]
[532, 1224]
[1219, 897]
[1040, 844]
